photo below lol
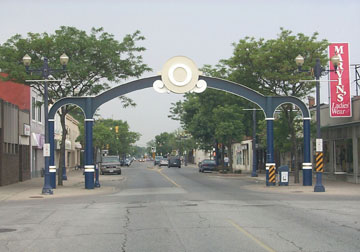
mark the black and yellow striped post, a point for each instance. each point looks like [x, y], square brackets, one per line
[272, 175]
[319, 160]
[319, 166]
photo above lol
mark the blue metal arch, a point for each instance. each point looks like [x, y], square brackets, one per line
[90, 104]
[267, 103]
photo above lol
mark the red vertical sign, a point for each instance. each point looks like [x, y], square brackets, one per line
[340, 99]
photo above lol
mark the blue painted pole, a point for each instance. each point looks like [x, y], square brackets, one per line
[48, 185]
[307, 166]
[89, 159]
[270, 151]
[52, 167]
[319, 187]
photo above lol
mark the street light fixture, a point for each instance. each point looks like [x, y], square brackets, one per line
[46, 71]
[318, 71]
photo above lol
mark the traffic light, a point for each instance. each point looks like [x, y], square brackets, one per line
[107, 146]
[116, 129]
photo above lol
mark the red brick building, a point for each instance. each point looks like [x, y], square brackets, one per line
[14, 132]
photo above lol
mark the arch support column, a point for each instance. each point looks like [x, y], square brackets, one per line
[270, 163]
[89, 156]
[307, 165]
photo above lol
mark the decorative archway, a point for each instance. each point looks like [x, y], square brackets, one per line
[180, 75]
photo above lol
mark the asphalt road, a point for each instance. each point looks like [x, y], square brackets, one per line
[181, 210]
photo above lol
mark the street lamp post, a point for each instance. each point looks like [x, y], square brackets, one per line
[45, 72]
[319, 160]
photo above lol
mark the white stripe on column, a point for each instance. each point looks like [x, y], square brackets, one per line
[89, 168]
[267, 165]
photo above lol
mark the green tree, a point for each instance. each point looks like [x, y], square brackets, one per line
[165, 143]
[229, 126]
[96, 59]
[197, 115]
[114, 134]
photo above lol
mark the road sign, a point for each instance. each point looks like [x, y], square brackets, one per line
[319, 145]
[46, 150]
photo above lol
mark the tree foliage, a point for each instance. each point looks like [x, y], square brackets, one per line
[112, 135]
[96, 60]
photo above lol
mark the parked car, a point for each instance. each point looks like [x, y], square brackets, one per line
[174, 162]
[157, 160]
[207, 165]
[163, 162]
[110, 164]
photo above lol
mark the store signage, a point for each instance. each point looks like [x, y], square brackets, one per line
[27, 130]
[340, 99]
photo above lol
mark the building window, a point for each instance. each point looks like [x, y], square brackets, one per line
[33, 108]
[39, 112]
[343, 156]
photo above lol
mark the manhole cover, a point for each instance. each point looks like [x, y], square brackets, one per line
[5, 230]
[36, 197]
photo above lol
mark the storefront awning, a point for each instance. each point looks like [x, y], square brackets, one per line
[78, 145]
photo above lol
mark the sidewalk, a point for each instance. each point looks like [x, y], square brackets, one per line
[74, 186]
[331, 187]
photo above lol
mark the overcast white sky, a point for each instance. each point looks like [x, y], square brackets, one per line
[201, 30]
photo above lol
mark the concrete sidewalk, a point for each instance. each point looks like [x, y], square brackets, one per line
[74, 186]
[331, 187]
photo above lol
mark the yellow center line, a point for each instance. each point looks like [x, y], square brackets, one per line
[260, 243]
[169, 179]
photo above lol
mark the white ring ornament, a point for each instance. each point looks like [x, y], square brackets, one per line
[179, 75]
[188, 74]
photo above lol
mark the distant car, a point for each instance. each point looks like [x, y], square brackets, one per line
[163, 162]
[207, 165]
[110, 164]
[157, 160]
[127, 162]
[174, 162]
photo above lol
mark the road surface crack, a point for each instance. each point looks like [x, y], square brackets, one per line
[202, 220]
[293, 243]
[126, 230]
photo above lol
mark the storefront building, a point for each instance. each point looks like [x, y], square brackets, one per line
[341, 143]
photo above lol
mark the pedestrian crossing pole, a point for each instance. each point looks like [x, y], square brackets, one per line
[270, 162]
[319, 166]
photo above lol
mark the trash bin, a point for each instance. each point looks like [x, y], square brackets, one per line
[283, 175]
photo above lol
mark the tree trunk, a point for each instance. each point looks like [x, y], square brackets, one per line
[62, 146]
[222, 154]
[230, 158]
